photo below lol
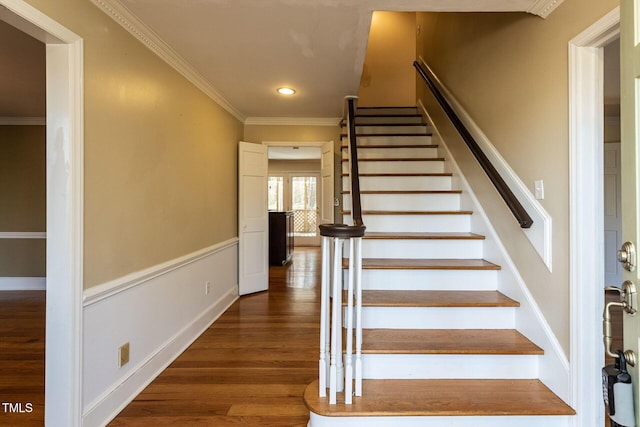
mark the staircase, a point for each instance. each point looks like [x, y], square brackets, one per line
[440, 346]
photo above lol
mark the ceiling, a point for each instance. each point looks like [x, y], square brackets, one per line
[246, 49]
[294, 153]
[241, 51]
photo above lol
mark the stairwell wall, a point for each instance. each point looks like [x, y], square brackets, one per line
[510, 73]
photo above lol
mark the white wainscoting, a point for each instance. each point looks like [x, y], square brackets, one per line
[23, 283]
[160, 311]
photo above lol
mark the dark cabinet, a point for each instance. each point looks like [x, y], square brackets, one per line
[280, 237]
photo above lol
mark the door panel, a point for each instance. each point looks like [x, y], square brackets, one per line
[327, 185]
[253, 219]
[612, 214]
[630, 71]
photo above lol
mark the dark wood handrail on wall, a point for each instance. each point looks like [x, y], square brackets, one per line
[510, 199]
[344, 231]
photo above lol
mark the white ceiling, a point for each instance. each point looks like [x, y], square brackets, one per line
[294, 153]
[246, 49]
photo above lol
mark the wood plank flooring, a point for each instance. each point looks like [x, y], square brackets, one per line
[22, 321]
[251, 366]
[248, 375]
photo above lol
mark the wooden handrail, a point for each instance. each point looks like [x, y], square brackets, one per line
[496, 179]
[358, 228]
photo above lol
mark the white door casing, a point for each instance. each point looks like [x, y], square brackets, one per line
[586, 220]
[253, 218]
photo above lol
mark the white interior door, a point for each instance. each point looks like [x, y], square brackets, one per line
[612, 214]
[327, 186]
[253, 219]
[629, 89]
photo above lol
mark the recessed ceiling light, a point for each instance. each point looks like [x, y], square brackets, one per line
[286, 91]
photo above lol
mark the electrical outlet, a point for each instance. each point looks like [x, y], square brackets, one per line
[207, 288]
[123, 353]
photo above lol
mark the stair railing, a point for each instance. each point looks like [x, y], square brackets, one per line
[336, 373]
[498, 182]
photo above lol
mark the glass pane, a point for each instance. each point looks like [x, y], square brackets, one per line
[304, 205]
[275, 190]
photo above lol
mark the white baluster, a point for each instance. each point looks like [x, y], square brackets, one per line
[357, 267]
[348, 384]
[324, 316]
[336, 380]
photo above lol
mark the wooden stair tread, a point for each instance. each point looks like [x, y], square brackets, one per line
[447, 341]
[405, 192]
[368, 135]
[413, 235]
[401, 159]
[411, 212]
[423, 264]
[401, 174]
[388, 115]
[443, 397]
[387, 124]
[366, 147]
[420, 298]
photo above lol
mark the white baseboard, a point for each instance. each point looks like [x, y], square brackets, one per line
[23, 283]
[160, 315]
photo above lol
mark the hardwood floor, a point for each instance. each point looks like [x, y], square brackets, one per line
[22, 321]
[251, 366]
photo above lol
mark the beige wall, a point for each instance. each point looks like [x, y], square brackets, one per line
[160, 156]
[22, 199]
[288, 133]
[388, 74]
[285, 166]
[509, 71]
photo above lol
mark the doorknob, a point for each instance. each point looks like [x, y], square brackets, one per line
[627, 256]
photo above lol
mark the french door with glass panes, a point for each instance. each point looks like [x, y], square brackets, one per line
[298, 192]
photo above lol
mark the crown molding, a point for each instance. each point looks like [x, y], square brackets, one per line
[543, 8]
[23, 121]
[293, 121]
[130, 22]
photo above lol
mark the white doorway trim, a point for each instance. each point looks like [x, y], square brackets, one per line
[65, 142]
[586, 118]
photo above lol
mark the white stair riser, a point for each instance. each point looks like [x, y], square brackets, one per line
[445, 366]
[390, 183]
[391, 140]
[407, 202]
[453, 421]
[388, 119]
[454, 280]
[386, 111]
[391, 129]
[423, 248]
[394, 153]
[397, 167]
[417, 223]
[438, 317]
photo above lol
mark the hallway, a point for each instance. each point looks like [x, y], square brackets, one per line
[251, 366]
